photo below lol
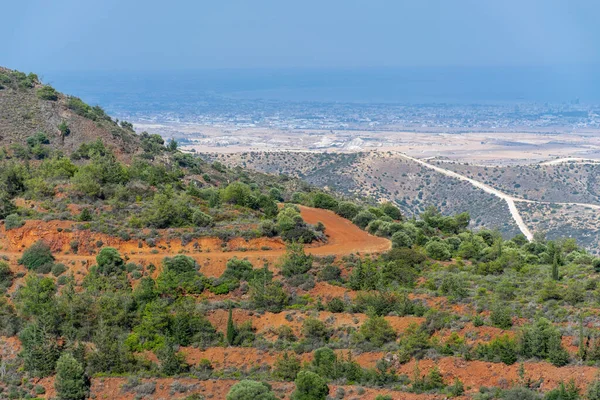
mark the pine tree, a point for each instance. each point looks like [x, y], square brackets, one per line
[70, 383]
[39, 351]
[230, 328]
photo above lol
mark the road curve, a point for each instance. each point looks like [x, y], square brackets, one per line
[510, 200]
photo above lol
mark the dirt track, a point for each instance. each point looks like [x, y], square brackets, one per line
[343, 238]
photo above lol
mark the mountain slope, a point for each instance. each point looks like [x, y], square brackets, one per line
[28, 107]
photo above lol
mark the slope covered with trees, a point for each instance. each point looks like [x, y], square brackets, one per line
[160, 275]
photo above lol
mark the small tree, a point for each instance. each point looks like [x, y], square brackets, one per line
[593, 392]
[109, 262]
[501, 317]
[555, 273]
[287, 367]
[310, 386]
[230, 328]
[376, 331]
[39, 254]
[251, 390]
[70, 383]
[295, 261]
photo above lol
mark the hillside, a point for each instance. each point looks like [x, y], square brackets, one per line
[557, 200]
[135, 271]
[30, 108]
[383, 177]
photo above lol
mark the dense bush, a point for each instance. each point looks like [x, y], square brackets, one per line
[13, 221]
[37, 256]
[47, 92]
[248, 389]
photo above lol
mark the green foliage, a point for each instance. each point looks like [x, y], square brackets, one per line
[323, 200]
[6, 275]
[310, 386]
[414, 342]
[95, 113]
[13, 221]
[438, 250]
[391, 211]
[238, 269]
[401, 239]
[179, 276]
[64, 129]
[247, 389]
[543, 340]
[363, 218]
[7, 207]
[295, 261]
[286, 367]
[237, 193]
[501, 349]
[231, 331]
[36, 256]
[501, 317]
[70, 382]
[376, 331]
[432, 381]
[109, 262]
[267, 294]
[171, 362]
[39, 351]
[47, 92]
[347, 210]
[201, 219]
[593, 390]
[570, 391]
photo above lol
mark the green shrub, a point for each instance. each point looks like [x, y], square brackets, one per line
[109, 262]
[310, 386]
[438, 250]
[401, 239]
[330, 273]
[13, 221]
[58, 269]
[238, 269]
[375, 331]
[501, 317]
[336, 305]
[251, 390]
[593, 391]
[71, 382]
[501, 349]
[347, 210]
[363, 218]
[287, 367]
[391, 211]
[323, 200]
[201, 219]
[6, 275]
[266, 294]
[47, 92]
[295, 261]
[543, 340]
[36, 256]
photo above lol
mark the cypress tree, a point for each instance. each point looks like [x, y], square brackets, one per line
[230, 328]
[555, 267]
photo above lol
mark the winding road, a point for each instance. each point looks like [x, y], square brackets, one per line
[510, 200]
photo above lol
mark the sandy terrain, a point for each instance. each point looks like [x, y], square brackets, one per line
[490, 148]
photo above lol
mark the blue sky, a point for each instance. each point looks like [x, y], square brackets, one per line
[63, 35]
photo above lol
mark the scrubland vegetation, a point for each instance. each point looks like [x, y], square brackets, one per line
[432, 316]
